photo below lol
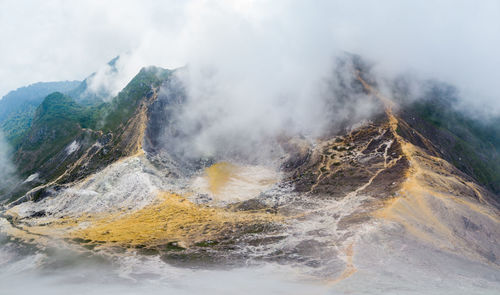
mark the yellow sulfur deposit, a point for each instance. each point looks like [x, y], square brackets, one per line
[219, 175]
[432, 189]
[229, 182]
[170, 218]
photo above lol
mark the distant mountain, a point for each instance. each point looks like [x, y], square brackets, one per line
[18, 107]
[84, 95]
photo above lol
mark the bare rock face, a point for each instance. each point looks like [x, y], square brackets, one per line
[164, 141]
[369, 156]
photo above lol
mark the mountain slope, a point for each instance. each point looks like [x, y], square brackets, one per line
[470, 144]
[68, 141]
[56, 121]
[18, 107]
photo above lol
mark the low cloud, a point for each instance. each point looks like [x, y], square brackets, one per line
[223, 115]
[8, 178]
[449, 40]
[257, 68]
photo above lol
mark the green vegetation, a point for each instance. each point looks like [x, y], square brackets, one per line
[56, 120]
[31, 96]
[472, 145]
[18, 107]
[59, 119]
[125, 103]
[17, 124]
[40, 129]
[59, 107]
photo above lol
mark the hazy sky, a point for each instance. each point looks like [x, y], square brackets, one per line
[456, 41]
